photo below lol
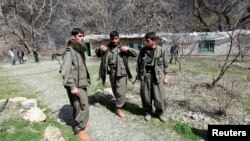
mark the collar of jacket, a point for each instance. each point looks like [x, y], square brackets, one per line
[77, 47]
[111, 46]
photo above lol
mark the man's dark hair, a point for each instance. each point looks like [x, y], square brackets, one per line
[76, 31]
[151, 35]
[113, 34]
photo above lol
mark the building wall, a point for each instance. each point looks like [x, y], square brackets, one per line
[188, 42]
[221, 47]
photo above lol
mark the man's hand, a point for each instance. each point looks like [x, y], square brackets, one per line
[124, 48]
[75, 91]
[103, 48]
[165, 79]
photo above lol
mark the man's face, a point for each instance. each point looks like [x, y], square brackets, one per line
[149, 42]
[115, 40]
[79, 38]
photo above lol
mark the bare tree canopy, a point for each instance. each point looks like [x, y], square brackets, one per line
[222, 14]
[32, 23]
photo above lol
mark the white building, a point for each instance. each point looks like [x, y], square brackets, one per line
[197, 43]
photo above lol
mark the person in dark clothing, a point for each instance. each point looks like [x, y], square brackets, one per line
[114, 61]
[20, 55]
[152, 71]
[35, 54]
[174, 53]
[76, 78]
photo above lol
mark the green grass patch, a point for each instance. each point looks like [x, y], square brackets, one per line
[93, 69]
[247, 108]
[137, 114]
[16, 67]
[156, 123]
[18, 129]
[210, 70]
[239, 72]
[186, 131]
[9, 88]
[99, 85]
[95, 86]
[21, 130]
[200, 69]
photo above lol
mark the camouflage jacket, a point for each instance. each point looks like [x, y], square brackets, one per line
[74, 70]
[158, 62]
[122, 68]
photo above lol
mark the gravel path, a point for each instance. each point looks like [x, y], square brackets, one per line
[106, 126]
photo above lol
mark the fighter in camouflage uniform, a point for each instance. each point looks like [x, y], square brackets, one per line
[76, 79]
[152, 71]
[115, 62]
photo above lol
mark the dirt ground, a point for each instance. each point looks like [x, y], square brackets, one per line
[187, 98]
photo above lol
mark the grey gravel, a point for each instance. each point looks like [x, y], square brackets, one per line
[106, 126]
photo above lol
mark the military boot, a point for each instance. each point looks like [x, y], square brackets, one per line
[162, 118]
[120, 113]
[83, 135]
[148, 117]
[88, 126]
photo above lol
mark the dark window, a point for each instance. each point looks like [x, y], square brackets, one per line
[206, 46]
[135, 46]
[87, 47]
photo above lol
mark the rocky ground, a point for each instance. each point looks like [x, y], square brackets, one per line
[195, 107]
[44, 78]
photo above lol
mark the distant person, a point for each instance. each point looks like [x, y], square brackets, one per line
[35, 54]
[114, 61]
[25, 58]
[174, 53]
[20, 56]
[75, 80]
[152, 71]
[12, 57]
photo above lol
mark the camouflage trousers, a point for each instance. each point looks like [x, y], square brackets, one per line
[119, 88]
[80, 106]
[152, 93]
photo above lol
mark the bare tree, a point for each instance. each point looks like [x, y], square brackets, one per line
[27, 19]
[225, 97]
[145, 16]
[32, 20]
[223, 14]
[243, 47]
[126, 16]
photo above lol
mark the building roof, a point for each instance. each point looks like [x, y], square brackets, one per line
[169, 37]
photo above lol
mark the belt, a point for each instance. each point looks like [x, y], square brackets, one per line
[112, 67]
[149, 69]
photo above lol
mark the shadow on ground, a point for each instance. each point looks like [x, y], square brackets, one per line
[201, 133]
[108, 101]
[66, 112]
[66, 115]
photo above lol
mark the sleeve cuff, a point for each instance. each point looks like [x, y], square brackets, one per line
[72, 87]
[166, 71]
